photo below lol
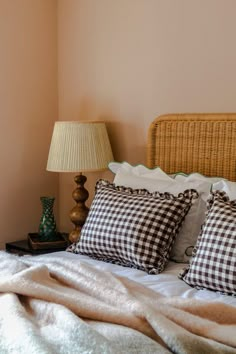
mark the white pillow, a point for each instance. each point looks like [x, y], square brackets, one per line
[226, 186]
[195, 177]
[114, 166]
[186, 239]
[138, 170]
[127, 179]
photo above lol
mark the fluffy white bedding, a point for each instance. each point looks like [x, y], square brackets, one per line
[61, 304]
[166, 283]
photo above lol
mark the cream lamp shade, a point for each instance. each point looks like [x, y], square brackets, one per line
[79, 146]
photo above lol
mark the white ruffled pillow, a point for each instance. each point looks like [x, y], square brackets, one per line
[195, 177]
[218, 183]
[226, 186]
[138, 170]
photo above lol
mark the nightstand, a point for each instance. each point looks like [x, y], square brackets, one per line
[22, 247]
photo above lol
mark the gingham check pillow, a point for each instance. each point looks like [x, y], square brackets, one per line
[132, 228]
[213, 265]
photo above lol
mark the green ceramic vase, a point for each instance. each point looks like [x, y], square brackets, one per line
[47, 227]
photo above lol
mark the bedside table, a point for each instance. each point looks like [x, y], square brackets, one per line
[22, 247]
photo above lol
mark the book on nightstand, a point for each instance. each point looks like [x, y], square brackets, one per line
[32, 246]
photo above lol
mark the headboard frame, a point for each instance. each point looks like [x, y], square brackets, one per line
[204, 143]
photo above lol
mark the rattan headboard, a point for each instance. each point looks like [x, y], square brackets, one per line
[204, 143]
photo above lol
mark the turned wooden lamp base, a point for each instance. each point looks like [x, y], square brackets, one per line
[80, 211]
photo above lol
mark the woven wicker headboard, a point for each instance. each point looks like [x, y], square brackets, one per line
[204, 143]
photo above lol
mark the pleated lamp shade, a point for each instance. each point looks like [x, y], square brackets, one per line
[79, 146]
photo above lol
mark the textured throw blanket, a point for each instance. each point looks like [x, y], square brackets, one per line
[50, 305]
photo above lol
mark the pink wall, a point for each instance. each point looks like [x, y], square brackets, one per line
[28, 109]
[123, 61]
[128, 61]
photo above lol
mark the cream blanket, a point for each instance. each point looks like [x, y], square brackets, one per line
[50, 305]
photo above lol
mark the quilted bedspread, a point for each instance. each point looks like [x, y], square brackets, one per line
[50, 305]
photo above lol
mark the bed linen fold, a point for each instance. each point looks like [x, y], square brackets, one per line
[52, 305]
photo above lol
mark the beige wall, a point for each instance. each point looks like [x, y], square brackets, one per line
[28, 108]
[128, 61]
[123, 61]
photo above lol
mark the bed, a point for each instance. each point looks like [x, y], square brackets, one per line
[140, 299]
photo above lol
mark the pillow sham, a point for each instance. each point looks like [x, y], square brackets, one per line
[187, 236]
[226, 186]
[114, 166]
[132, 227]
[138, 170]
[213, 265]
[183, 177]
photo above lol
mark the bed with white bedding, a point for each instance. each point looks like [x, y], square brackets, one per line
[118, 290]
[166, 283]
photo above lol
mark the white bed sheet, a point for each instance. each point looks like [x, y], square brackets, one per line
[167, 283]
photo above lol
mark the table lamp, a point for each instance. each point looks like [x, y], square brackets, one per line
[79, 146]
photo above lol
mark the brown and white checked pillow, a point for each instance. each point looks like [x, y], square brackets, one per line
[133, 228]
[213, 265]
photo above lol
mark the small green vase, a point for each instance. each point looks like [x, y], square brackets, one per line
[47, 227]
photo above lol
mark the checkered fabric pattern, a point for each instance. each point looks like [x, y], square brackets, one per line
[213, 265]
[132, 228]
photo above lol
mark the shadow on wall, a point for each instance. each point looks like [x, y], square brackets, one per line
[128, 140]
